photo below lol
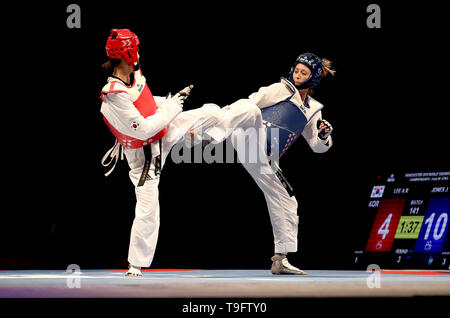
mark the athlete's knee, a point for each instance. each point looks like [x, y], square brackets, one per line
[253, 110]
[293, 204]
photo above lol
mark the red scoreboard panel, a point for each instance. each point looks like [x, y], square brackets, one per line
[405, 223]
[385, 225]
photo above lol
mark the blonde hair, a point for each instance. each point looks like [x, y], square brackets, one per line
[327, 68]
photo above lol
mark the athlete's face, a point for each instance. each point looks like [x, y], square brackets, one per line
[301, 73]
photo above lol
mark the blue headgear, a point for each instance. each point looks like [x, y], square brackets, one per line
[315, 65]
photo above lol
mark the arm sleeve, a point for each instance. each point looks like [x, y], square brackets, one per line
[311, 135]
[121, 113]
[270, 95]
[159, 100]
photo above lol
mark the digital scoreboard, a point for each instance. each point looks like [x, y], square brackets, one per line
[408, 214]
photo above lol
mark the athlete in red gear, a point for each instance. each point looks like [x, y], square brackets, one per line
[146, 127]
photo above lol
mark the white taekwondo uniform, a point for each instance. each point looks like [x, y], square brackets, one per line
[120, 112]
[246, 113]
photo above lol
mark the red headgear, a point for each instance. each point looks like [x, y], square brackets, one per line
[123, 44]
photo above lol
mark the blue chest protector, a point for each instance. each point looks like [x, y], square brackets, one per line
[286, 120]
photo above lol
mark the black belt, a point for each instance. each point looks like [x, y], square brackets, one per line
[280, 175]
[148, 159]
[283, 179]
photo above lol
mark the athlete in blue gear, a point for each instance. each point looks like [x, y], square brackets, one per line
[278, 114]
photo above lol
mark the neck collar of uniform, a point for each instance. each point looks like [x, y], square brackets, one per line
[113, 77]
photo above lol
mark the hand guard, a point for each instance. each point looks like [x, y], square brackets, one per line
[324, 128]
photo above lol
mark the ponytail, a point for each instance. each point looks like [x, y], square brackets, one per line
[327, 68]
[108, 67]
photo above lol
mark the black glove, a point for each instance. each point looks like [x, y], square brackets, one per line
[324, 128]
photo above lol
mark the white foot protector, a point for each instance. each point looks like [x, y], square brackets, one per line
[134, 271]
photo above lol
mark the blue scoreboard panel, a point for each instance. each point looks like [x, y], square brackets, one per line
[407, 221]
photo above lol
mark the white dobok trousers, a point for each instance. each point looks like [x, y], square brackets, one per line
[246, 120]
[145, 228]
[218, 123]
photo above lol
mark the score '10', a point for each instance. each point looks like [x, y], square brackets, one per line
[442, 218]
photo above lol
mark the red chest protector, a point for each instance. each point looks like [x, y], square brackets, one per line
[143, 101]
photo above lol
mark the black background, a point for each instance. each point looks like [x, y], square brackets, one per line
[386, 103]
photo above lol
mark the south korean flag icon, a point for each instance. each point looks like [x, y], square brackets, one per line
[377, 191]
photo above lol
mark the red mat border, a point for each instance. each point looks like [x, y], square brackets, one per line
[414, 272]
[160, 270]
